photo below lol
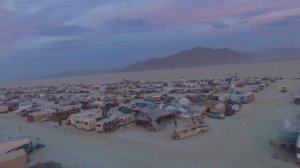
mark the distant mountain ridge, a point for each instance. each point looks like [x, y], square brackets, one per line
[198, 56]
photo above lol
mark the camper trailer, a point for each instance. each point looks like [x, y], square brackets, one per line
[88, 113]
[85, 123]
[126, 119]
[107, 124]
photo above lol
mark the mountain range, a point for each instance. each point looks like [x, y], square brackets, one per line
[195, 57]
[198, 56]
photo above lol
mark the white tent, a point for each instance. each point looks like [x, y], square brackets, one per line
[184, 102]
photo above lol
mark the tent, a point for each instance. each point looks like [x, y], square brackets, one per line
[184, 101]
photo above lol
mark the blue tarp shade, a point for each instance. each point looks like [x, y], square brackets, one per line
[170, 108]
[183, 110]
[141, 104]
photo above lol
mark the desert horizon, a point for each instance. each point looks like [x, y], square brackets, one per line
[149, 84]
[286, 68]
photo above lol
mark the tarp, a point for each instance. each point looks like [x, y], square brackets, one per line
[170, 108]
[183, 110]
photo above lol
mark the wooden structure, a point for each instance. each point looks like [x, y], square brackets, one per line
[37, 116]
[63, 115]
[153, 118]
[196, 128]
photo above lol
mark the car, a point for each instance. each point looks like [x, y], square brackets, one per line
[239, 92]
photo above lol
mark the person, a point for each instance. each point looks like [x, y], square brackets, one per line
[175, 124]
[37, 143]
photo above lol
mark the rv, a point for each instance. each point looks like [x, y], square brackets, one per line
[85, 123]
[107, 124]
[126, 119]
[246, 98]
[87, 113]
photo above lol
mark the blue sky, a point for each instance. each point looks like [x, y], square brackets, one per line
[39, 37]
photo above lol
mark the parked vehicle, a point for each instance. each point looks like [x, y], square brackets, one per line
[240, 92]
[246, 98]
[108, 124]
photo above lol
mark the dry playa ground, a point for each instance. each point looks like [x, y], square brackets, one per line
[240, 141]
[287, 69]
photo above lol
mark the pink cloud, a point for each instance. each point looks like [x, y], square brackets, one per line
[174, 15]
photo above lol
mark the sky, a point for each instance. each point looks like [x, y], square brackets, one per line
[39, 37]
